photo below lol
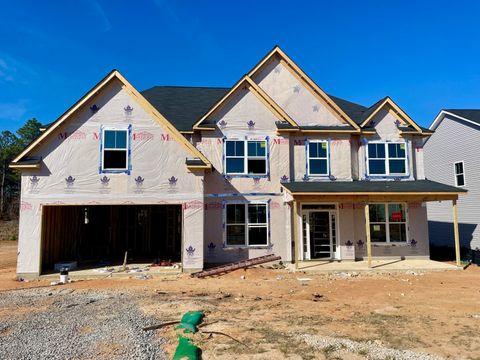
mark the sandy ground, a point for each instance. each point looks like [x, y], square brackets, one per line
[436, 313]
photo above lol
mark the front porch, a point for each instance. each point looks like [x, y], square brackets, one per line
[367, 221]
[377, 265]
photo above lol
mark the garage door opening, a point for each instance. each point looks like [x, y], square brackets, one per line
[99, 235]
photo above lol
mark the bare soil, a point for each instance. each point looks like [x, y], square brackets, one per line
[436, 313]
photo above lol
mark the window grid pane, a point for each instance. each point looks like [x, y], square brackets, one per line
[318, 158]
[388, 227]
[392, 163]
[251, 233]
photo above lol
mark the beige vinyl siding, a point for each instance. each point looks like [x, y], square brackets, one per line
[454, 140]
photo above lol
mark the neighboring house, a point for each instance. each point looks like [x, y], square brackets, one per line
[452, 157]
[211, 175]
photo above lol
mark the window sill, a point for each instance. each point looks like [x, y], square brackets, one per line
[264, 176]
[126, 171]
[388, 177]
[249, 247]
[390, 244]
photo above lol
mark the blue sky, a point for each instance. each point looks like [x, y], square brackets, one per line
[424, 54]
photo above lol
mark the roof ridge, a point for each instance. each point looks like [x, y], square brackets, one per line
[187, 87]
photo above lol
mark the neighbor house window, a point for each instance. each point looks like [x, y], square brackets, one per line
[246, 157]
[115, 149]
[388, 223]
[459, 173]
[387, 159]
[246, 224]
[317, 158]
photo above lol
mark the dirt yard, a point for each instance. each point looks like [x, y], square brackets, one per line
[271, 313]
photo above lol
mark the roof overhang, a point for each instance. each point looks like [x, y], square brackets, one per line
[418, 190]
[441, 115]
[86, 99]
[396, 111]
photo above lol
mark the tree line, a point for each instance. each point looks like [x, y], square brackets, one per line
[11, 144]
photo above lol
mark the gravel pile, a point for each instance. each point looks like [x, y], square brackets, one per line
[80, 324]
[371, 349]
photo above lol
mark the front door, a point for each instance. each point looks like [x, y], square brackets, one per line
[317, 235]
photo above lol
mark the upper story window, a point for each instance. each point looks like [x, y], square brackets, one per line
[115, 149]
[246, 224]
[246, 157]
[388, 222]
[388, 159]
[459, 173]
[317, 154]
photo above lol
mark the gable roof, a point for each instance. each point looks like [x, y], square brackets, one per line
[398, 112]
[470, 114]
[183, 105]
[147, 107]
[297, 72]
[261, 95]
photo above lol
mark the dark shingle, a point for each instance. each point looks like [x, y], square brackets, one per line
[417, 186]
[183, 106]
[354, 111]
[470, 114]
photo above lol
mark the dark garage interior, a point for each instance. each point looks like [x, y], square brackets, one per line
[99, 235]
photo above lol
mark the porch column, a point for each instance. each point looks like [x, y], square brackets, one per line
[455, 232]
[295, 233]
[367, 229]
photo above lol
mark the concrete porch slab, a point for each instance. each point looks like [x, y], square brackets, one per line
[384, 265]
[116, 272]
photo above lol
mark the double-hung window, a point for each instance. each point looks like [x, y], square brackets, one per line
[317, 158]
[246, 224]
[388, 223]
[115, 149]
[387, 159]
[459, 173]
[246, 157]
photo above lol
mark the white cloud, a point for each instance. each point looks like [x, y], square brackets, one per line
[102, 17]
[13, 70]
[13, 111]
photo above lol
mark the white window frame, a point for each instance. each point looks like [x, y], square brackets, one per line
[462, 173]
[387, 224]
[245, 157]
[318, 158]
[248, 225]
[127, 146]
[387, 158]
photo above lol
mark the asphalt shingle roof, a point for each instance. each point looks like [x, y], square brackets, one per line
[470, 114]
[183, 106]
[417, 186]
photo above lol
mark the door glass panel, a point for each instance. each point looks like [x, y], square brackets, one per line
[319, 235]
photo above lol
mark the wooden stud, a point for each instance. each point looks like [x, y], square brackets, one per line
[296, 245]
[455, 232]
[367, 228]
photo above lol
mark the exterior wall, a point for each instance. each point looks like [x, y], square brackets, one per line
[351, 230]
[74, 151]
[453, 141]
[221, 189]
[339, 156]
[288, 92]
[385, 125]
[417, 230]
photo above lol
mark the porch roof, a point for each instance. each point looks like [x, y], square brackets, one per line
[353, 188]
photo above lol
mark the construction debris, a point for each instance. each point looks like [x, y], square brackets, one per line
[236, 265]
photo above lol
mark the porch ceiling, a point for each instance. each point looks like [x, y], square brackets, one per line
[361, 191]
